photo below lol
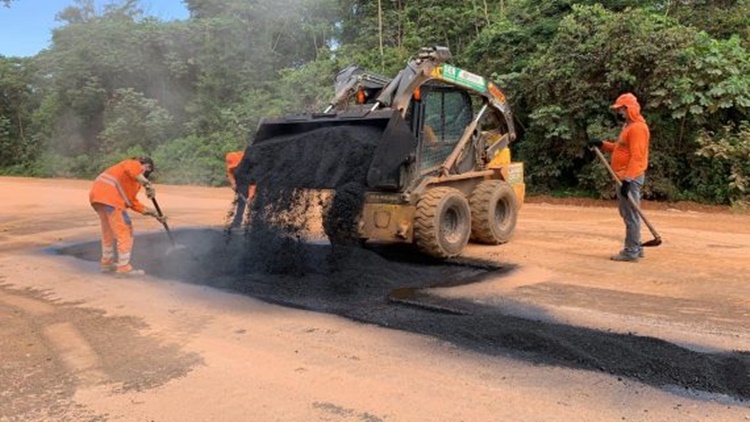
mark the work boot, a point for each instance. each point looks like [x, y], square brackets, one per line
[108, 268]
[623, 257]
[128, 272]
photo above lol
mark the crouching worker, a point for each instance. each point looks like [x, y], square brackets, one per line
[113, 192]
[233, 160]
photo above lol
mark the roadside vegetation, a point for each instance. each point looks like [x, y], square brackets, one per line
[116, 83]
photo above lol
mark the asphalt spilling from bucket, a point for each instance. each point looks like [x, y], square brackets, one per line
[287, 168]
[385, 286]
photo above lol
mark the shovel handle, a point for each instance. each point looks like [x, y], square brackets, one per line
[164, 223]
[657, 238]
[156, 205]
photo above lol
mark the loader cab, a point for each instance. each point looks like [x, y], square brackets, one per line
[438, 118]
[419, 143]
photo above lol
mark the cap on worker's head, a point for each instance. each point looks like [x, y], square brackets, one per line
[626, 100]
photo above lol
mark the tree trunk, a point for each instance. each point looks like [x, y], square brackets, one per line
[20, 123]
[380, 33]
[400, 23]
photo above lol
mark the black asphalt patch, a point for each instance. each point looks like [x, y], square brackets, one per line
[361, 284]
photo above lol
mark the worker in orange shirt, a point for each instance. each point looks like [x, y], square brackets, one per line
[629, 162]
[113, 192]
[233, 160]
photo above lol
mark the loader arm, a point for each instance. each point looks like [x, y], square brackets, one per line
[350, 81]
[430, 65]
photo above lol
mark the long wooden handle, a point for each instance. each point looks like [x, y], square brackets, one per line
[164, 223]
[630, 198]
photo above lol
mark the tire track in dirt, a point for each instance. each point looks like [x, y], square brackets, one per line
[75, 352]
[54, 349]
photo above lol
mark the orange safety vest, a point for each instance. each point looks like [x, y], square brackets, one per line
[117, 186]
[233, 161]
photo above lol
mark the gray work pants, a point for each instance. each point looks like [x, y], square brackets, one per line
[239, 212]
[631, 218]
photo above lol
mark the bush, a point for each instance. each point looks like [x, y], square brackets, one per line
[194, 160]
[725, 174]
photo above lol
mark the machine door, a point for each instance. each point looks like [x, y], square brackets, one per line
[447, 113]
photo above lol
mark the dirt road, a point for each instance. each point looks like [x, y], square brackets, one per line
[553, 332]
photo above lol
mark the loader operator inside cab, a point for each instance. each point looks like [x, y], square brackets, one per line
[447, 114]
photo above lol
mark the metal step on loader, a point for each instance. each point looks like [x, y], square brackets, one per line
[420, 158]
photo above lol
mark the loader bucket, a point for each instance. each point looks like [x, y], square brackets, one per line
[326, 151]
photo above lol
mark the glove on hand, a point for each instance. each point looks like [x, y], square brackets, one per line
[625, 188]
[146, 184]
[150, 191]
[152, 213]
[594, 143]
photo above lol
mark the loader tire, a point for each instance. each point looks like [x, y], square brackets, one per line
[494, 211]
[442, 223]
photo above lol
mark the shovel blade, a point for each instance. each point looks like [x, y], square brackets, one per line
[176, 248]
[178, 251]
[652, 243]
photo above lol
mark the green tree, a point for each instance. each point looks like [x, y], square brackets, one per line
[115, 82]
[721, 19]
[686, 80]
[17, 100]
[132, 120]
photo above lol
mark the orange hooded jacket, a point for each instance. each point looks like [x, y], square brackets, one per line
[630, 152]
[233, 161]
[117, 186]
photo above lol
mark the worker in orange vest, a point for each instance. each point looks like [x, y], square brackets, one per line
[233, 160]
[113, 192]
[629, 162]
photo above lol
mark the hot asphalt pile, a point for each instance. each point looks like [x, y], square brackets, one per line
[323, 158]
[357, 284]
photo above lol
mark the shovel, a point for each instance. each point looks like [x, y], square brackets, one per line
[175, 246]
[656, 241]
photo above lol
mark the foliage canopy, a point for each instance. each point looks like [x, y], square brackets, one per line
[115, 82]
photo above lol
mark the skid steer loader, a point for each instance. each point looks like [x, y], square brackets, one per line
[428, 149]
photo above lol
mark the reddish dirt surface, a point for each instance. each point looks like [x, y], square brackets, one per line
[81, 346]
[646, 205]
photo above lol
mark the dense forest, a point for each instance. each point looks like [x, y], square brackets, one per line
[115, 83]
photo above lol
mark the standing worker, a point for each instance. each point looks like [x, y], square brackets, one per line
[115, 191]
[629, 162]
[233, 160]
